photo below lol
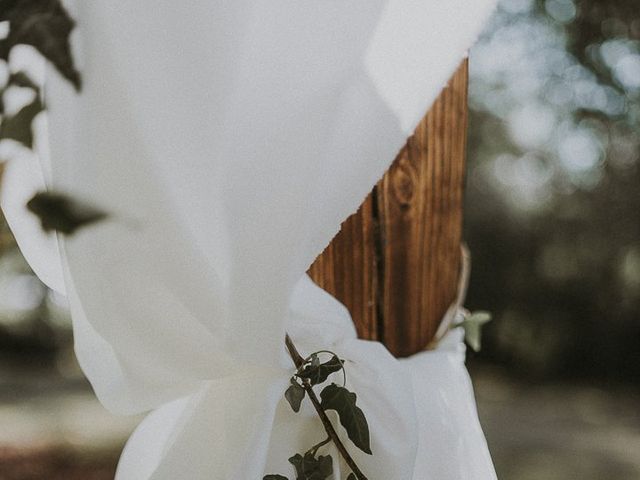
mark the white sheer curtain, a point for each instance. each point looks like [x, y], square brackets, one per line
[228, 140]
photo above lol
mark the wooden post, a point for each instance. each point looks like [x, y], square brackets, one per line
[395, 263]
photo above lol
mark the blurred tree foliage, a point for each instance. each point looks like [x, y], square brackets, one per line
[553, 197]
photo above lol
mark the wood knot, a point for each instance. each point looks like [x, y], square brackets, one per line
[403, 184]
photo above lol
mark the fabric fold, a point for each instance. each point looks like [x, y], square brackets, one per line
[446, 415]
[420, 411]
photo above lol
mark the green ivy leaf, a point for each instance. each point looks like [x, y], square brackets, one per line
[294, 395]
[18, 126]
[325, 467]
[311, 468]
[472, 325]
[318, 373]
[351, 416]
[45, 25]
[274, 477]
[61, 213]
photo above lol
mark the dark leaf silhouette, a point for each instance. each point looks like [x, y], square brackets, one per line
[20, 79]
[46, 26]
[294, 395]
[311, 468]
[62, 213]
[318, 373]
[18, 127]
[351, 416]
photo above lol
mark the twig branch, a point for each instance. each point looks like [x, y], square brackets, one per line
[313, 450]
[298, 361]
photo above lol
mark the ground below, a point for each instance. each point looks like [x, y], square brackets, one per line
[54, 429]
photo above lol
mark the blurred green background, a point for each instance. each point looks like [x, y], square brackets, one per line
[553, 223]
[553, 191]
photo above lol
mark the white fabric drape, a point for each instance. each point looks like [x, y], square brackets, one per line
[228, 141]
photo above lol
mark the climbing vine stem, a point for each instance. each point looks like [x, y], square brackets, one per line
[311, 372]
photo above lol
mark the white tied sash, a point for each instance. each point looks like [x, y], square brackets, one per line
[228, 140]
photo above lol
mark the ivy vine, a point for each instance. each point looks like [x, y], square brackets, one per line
[310, 373]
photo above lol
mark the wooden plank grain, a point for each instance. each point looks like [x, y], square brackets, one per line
[395, 262]
[347, 269]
